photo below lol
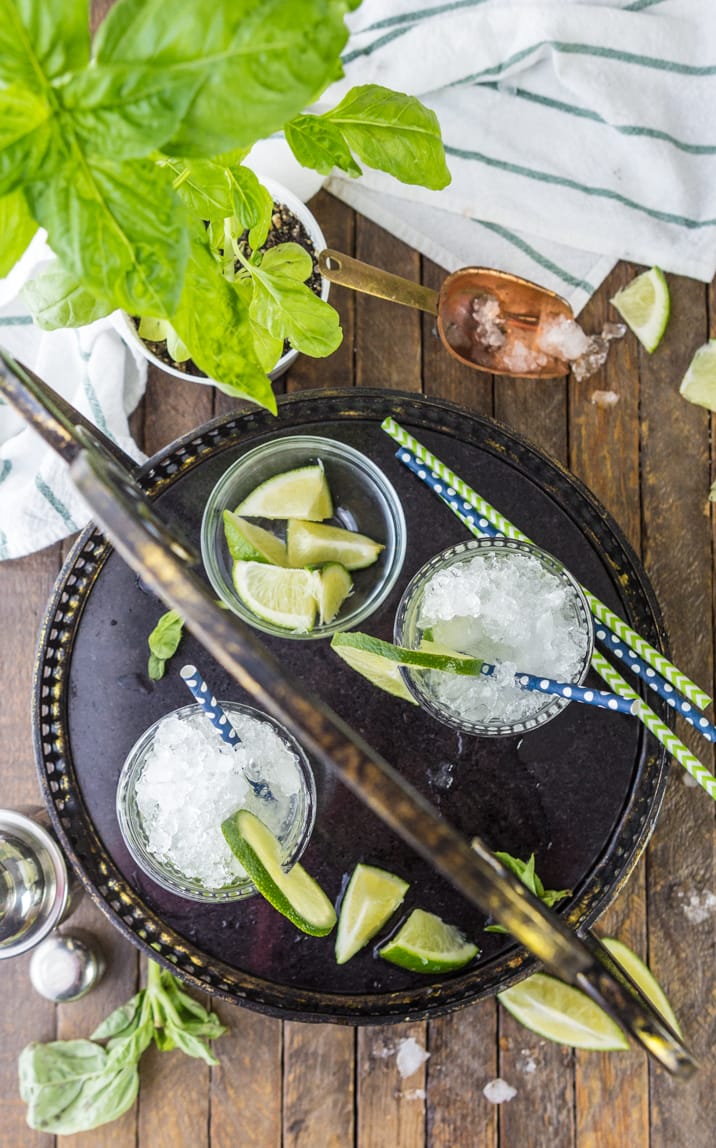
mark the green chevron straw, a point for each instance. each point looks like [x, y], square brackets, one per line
[602, 612]
[611, 676]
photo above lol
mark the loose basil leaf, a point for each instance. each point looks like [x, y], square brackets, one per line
[73, 1086]
[392, 132]
[525, 871]
[17, 228]
[318, 144]
[57, 300]
[156, 667]
[122, 1020]
[287, 308]
[121, 114]
[210, 307]
[42, 39]
[119, 229]
[191, 1045]
[31, 146]
[164, 639]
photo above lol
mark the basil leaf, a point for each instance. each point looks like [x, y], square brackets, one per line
[268, 347]
[57, 299]
[525, 871]
[191, 1045]
[204, 186]
[30, 143]
[213, 322]
[318, 144]
[42, 39]
[156, 667]
[287, 308]
[392, 132]
[73, 1086]
[122, 1020]
[272, 57]
[166, 635]
[119, 228]
[121, 114]
[252, 205]
[17, 228]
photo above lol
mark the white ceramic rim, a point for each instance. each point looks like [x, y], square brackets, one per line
[126, 328]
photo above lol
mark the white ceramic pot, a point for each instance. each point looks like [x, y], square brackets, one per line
[280, 194]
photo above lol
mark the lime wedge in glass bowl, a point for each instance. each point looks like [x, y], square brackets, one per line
[251, 543]
[284, 597]
[645, 306]
[426, 944]
[294, 894]
[699, 383]
[333, 585]
[313, 543]
[299, 493]
[371, 898]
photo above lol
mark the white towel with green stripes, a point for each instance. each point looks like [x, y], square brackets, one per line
[94, 370]
[577, 133]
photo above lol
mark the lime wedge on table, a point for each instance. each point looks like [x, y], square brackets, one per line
[561, 1013]
[645, 306]
[333, 585]
[426, 944]
[301, 493]
[251, 543]
[294, 894]
[286, 598]
[370, 900]
[310, 544]
[699, 383]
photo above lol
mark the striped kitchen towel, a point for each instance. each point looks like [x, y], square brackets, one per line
[577, 133]
[94, 370]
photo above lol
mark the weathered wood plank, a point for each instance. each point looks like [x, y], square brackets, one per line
[391, 1108]
[172, 407]
[463, 1058]
[388, 336]
[318, 1086]
[25, 585]
[677, 552]
[246, 1086]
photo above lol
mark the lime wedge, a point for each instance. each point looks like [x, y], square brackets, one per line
[561, 1013]
[645, 306]
[370, 900]
[643, 977]
[378, 670]
[301, 493]
[294, 894]
[286, 598]
[699, 383]
[333, 585]
[250, 543]
[310, 544]
[426, 944]
[448, 660]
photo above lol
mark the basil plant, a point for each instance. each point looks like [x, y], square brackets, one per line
[128, 148]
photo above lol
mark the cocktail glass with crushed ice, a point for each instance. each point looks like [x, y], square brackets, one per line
[180, 781]
[510, 604]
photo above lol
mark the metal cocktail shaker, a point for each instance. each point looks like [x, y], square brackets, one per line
[34, 882]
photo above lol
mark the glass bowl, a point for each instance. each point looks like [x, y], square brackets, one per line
[291, 816]
[408, 632]
[363, 499]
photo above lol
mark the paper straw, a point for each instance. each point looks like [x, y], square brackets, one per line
[202, 694]
[481, 527]
[601, 611]
[602, 699]
[611, 676]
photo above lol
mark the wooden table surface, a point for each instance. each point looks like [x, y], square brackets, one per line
[647, 457]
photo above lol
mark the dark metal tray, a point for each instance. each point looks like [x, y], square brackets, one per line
[582, 792]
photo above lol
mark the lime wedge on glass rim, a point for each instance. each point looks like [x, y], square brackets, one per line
[699, 383]
[294, 894]
[248, 542]
[371, 898]
[285, 597]
[312, 543]
[559, 1012]
[645, 306]
[300, 493]
[426, 944]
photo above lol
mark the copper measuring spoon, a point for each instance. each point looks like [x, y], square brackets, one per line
[524, 308]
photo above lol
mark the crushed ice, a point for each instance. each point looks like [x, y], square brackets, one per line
[697, 906]
[498, 1091]
[411, 1056]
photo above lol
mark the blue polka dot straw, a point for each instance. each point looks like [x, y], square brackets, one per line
[202, 694]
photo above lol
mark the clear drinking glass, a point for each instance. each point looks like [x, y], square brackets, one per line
[364, 500]
[290, 817]
[410, 633]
